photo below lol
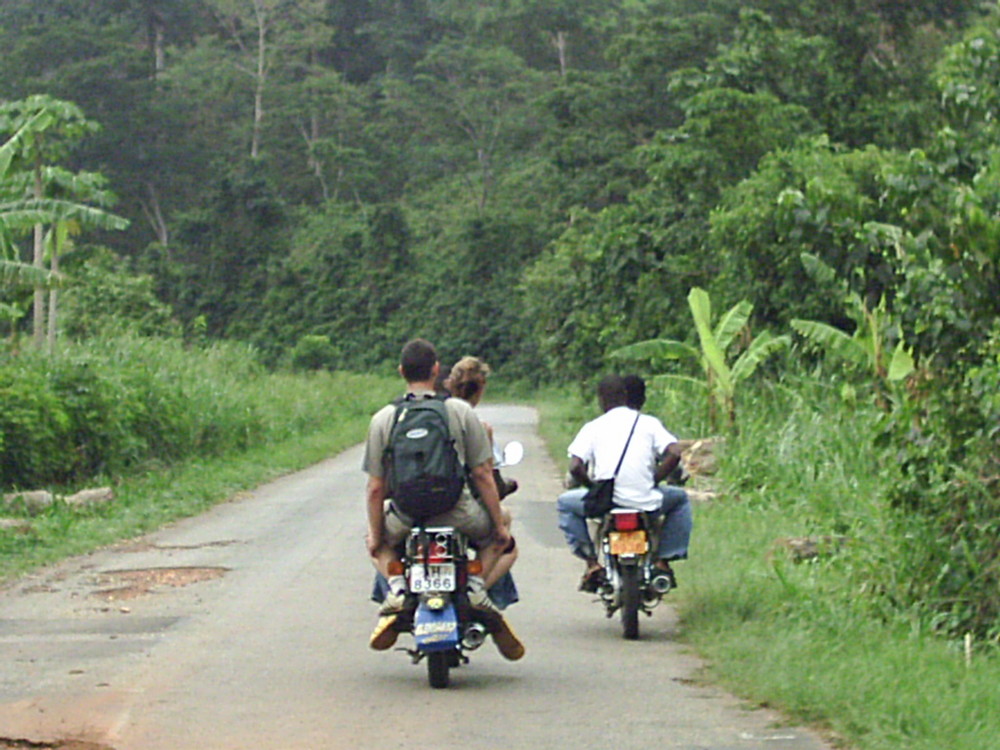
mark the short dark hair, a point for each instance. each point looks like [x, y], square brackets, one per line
[417, 360]
[611, 392]
[635, 391]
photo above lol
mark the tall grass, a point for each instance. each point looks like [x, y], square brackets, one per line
[824, 639]
[173, 430]
[117, 405]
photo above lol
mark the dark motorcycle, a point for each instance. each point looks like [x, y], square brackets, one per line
[437, 562]
[631, 583]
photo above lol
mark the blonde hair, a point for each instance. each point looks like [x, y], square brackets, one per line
[468, 378]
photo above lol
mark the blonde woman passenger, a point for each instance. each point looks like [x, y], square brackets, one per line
[467, 381]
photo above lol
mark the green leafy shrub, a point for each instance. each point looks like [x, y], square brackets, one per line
[35, 429]
[114, 405]
[313, 352]
[948, 498]
[105, 299]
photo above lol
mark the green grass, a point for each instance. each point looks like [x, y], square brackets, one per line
[827, 641]
[792, 636]
[303, 419]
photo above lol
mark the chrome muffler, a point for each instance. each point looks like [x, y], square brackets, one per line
[474, 636]
[660, 584]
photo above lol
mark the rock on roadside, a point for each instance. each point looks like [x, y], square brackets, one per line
[36, 501]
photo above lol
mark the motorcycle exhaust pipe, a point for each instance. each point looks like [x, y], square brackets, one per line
[660, 583]
[474, 636]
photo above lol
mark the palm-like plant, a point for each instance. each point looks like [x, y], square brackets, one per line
[721, 378]
[869, 346]
[34, 196]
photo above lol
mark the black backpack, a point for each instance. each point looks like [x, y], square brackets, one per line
[423, 471]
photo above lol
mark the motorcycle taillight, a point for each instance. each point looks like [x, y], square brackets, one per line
[439, 551]
[628, 521]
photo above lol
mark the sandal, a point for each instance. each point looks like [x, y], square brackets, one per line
[592, 579]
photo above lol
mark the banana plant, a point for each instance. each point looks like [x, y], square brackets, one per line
[869, 346]
[35, 195]
[722, 378]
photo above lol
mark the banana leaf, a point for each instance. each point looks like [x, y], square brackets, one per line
[701, 311]
[671, 378]
[833, 340]
[902, 364]
[762, 347]
[17, 275]
[732, 323]
[655, 351]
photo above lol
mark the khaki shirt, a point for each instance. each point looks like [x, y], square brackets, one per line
[471, 441]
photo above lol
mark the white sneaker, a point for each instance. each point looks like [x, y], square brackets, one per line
[395, 600]
[479, 600]
[393, 604]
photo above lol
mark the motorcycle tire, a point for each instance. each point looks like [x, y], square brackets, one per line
[630, 602]
[438, 664]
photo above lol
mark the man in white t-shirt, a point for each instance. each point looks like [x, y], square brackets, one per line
[652, 454]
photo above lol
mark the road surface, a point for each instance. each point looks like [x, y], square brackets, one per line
[246, 628]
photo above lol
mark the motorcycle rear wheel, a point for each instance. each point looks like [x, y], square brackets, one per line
[438, 664]
[630, 602]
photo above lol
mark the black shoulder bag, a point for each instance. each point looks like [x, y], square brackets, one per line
[600, 497]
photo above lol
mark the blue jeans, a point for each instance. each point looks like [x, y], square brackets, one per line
[674, 535]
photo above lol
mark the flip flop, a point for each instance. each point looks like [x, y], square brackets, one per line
[592, 580]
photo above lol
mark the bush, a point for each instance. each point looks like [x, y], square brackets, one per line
[314, 353]
[113, 405]
[35, 431]
[948, 498]
[104, 299]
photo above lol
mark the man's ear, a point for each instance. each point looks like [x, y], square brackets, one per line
[435, 370]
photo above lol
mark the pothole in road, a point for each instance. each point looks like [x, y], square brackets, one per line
[7, 743]
[150, 546]
[130, 584]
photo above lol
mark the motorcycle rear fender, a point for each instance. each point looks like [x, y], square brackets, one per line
[436, 629]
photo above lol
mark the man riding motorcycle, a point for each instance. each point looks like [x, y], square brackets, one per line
[479, 519]
[651, 455]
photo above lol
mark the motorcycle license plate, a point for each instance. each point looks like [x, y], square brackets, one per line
[435, 577]
[628, 542]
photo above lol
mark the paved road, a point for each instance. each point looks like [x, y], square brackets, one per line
[246, 629]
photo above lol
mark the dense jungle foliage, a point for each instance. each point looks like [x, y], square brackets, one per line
[543, 183]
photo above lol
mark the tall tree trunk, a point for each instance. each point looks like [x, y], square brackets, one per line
[155, 38]
[311, 134]
[559, 41]
[39, 308]
[159, 51]
[154, 215]
[261, 77]
[53, 296]
[39, 262]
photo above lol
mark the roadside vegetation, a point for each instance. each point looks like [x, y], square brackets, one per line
[785, 216]
[171, 429]
[832, 637]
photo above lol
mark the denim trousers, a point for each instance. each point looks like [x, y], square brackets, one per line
[674, 535]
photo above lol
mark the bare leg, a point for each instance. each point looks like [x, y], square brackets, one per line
[502, 566]
[382, 558]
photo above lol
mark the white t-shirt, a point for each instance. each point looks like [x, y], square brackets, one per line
[600, 443]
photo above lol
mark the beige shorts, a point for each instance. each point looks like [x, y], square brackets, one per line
[468, 516]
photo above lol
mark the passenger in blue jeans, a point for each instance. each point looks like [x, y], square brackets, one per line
[653, 453]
